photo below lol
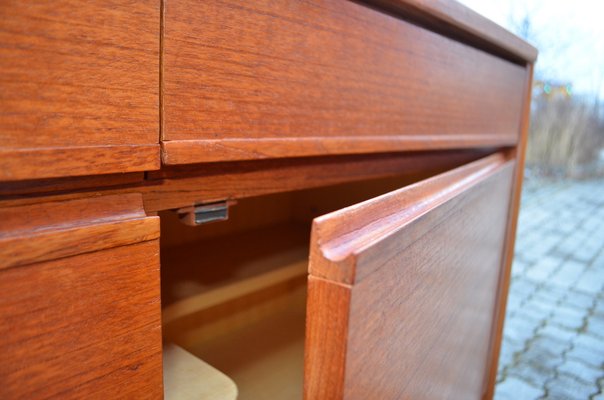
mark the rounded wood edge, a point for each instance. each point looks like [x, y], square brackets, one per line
[55, 229]
[338, 238]
[176, 152]
[458, 20]
[58, 162]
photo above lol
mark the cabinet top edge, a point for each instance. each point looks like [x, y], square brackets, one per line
[453, 19]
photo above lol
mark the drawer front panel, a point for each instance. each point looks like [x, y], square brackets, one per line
[79, 90]
[402, 289]
[86, 326]
[80, 304]
[246, 80]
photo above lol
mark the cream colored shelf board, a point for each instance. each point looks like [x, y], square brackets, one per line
[186, 377]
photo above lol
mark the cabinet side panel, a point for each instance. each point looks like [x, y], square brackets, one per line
[504, 282]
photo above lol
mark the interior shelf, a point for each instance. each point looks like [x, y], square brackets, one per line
[187, 377]
[234, 292]
[238, 303]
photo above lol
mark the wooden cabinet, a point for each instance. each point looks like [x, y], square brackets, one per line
[362, 163]
[79, 88]
[402, 288]
[80, 305]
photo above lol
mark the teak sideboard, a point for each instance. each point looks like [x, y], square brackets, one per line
[268, 199]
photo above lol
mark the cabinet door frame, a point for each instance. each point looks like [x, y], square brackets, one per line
[371, 267]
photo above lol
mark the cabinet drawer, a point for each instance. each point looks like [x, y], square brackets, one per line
[401, 288]
[264, 79]
[80, 303]
[79, 90]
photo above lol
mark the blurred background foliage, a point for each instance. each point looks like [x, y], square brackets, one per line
[566, 133]
[566, 137]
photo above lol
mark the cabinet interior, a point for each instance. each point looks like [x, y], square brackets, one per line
[234, 292]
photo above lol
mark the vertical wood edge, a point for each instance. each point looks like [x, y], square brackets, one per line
[327, 318]
[162, 23]
[508, 258]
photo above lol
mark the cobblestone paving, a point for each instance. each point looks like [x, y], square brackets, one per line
[553, 346]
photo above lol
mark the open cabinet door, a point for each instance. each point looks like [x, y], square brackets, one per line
[403, 288]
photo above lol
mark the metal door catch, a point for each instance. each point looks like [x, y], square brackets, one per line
[205, 213]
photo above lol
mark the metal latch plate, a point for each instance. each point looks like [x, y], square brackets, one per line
[201, 214]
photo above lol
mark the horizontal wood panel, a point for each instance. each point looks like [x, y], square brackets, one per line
[79, 77]
[86, 326]
[56, 162]
[403, 288]
[182, 185]
[188, 151]
[343, 77]
[455, 19]
[41, 187]
[50, 230]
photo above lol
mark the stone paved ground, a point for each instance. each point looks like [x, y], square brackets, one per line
[553, 344]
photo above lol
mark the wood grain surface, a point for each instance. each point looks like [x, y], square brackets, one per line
[504, 281]
[79, 87]
[45, 187]
[403, 288]
[270, 79]
[182, 186]
[50, 230]
[80, 304]
[86, 326]
[73, 161]
[453, 19]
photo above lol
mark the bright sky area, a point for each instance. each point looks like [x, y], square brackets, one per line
[569, 36]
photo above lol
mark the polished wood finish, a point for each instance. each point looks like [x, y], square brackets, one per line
[292, 101]
[47, 231]
[191, 151]
[44, 188]
[80, 300]
[37, 163]
[402, 288]
[504, 281]
[182, 186]
[270, 79]
[86, 326]
[80, 88]
[455, 20]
